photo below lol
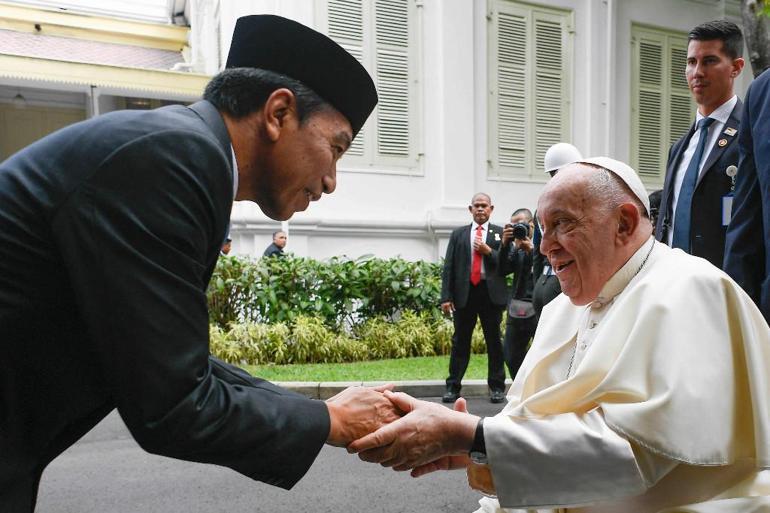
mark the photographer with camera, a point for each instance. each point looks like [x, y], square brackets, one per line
[516, 257]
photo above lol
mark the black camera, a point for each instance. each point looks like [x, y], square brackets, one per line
[520, 230]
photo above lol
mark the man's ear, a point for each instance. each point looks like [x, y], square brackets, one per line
[628, 221]
[470, 208]
[279, 110]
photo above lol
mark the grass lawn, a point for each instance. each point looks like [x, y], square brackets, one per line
[426, 367]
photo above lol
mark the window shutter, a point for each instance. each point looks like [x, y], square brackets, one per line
[662, 107]
[511, 91]
[392, 65]
[649, 108]
[550, 96]
[682, 114]
[529, 73]
[346, 27]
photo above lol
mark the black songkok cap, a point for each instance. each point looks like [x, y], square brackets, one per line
[284, 46]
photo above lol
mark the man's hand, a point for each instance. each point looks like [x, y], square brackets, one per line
[426, 433]
[481, 247]
[507, 234]
[525, 244]
[448, 307]
[447, 462]
[357, 411]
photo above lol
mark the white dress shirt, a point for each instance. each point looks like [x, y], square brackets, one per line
[235, 173]
[720, 116]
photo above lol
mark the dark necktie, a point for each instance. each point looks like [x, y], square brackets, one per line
[682, 217]
[476, 262]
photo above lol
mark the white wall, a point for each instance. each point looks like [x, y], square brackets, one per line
[411, 216]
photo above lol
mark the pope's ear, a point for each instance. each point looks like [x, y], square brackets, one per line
[628, 220]
[279, 109]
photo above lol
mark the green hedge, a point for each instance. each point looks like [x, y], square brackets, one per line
[343, 293]
[310, 340]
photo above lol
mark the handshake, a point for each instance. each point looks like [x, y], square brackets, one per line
[399, 431]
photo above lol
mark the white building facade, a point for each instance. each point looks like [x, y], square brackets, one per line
[472, 93]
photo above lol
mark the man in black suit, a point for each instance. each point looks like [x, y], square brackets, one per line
[471, 287]
[697, 194]
[747, 257]
[276, 247]
[516, 257]
[109, 233]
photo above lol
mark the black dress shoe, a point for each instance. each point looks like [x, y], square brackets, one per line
[450, 396]
[497, 396]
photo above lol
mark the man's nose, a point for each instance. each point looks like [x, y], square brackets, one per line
[697, 70]
[329, 182]
[546, 242]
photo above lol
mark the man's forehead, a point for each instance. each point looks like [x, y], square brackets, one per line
[706, 47]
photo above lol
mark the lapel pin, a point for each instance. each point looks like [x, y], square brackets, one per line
[722, 143]
[730, 131]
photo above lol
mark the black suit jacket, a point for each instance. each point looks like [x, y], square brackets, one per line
[747, 257]
[707, 234]
[272, 250]
[109, 233]
[518, 262]
[456, 274]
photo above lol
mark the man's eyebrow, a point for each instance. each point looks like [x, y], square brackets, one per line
[343, 139]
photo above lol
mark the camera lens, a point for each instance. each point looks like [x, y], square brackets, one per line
[520, 231]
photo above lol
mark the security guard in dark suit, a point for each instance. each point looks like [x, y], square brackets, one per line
[697, 195]
[472, 288]
[747, 253]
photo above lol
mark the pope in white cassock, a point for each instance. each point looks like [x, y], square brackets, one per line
[647, 387]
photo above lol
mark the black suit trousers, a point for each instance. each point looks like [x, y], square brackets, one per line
[518, 333]
[479, 306]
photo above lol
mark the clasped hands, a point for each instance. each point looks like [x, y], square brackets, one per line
[406, 433]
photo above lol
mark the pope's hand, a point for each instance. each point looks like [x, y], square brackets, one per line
[357, 411]
[426, 433]
[447, 462]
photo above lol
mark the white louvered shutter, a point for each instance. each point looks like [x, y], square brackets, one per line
[551, 106]
[511, 119]
[682, 113]
[662, 109]
[346, 27]
[392, 65]
[649, 108]
[529, 76]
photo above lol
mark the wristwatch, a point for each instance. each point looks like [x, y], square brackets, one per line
[478, 452]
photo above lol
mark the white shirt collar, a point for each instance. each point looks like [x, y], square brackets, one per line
[721, 113]
[235, 173]
[484, 226]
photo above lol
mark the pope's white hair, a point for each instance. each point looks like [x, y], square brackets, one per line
[609, 191]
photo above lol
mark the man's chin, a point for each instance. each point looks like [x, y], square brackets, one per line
[276, 214]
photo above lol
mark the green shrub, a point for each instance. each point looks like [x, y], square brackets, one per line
[308, 340]
[342, 293]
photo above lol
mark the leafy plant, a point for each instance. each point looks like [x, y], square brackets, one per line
[308, 340]
[342, 293]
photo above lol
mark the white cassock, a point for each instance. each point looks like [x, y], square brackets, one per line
[655, 397]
